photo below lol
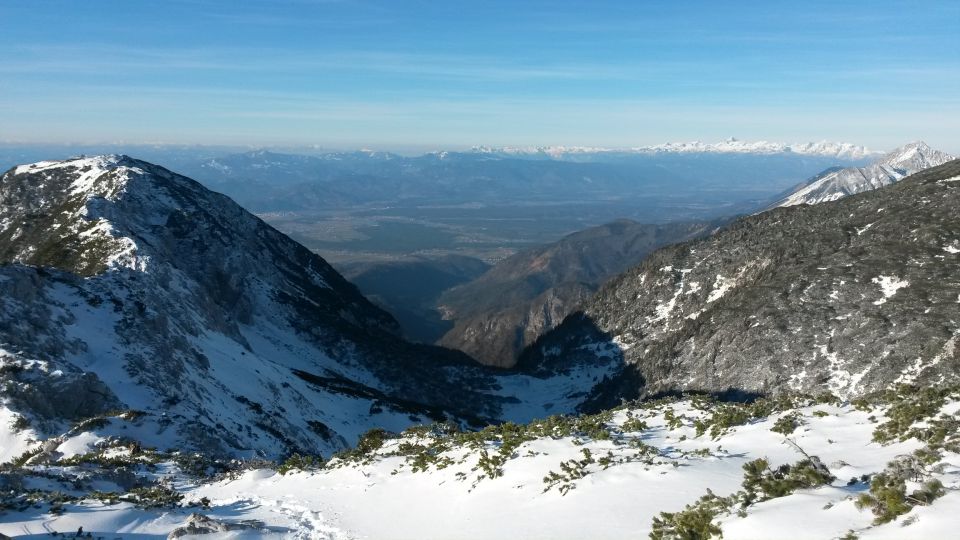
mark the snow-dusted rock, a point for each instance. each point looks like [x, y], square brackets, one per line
[892, 167]
[848, 296]
[127, 286]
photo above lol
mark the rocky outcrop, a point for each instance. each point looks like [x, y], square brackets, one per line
[848, 296]
[198, 524]
[509, 306]
[126, 286]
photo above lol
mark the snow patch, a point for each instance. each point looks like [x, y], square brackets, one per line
[720, 287]
[889, 285]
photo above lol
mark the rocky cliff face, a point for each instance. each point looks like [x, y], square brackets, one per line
[509, 306]
[125, 286]
[835, 183]
[847, 296]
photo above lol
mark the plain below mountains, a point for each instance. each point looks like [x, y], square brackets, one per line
[410, 288]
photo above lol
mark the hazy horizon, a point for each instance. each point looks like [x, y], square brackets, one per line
[402, 150]
[419, 76]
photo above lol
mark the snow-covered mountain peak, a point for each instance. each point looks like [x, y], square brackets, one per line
[145, 290]
[891, 167]
[734, 145]
[917, 154]
[731, 145]
[93, 178]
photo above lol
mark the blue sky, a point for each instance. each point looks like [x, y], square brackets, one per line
[428, 74]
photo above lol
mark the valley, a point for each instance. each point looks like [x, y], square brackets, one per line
[380, 270]
[174, 365]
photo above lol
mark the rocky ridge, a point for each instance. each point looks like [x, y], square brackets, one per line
[500, 313]
[128, 287]
[836, 183]
[848, 296]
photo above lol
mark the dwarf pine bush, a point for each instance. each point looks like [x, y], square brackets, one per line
[695, 522]
[888, 496]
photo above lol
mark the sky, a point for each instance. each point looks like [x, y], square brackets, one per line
[398, 74]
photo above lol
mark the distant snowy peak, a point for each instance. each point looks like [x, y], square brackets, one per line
[732, 145]
[544, 151]
[729, 146]
[917, 155]
[891, 167]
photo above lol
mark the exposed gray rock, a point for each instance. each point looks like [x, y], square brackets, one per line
[509, 306]
[198, 524]
[848, 296]
[128, 286]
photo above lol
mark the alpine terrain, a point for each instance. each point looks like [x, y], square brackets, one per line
[172, 367]
[847, 297]
[833, 184]
[128, 287]
[500, 313]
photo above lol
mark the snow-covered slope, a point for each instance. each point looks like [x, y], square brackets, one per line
[892, 167]
[846, 151]
[129, 287]
[604, 476]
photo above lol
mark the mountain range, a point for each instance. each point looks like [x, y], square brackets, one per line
[498, 314]
[265, 181]
[731, 145]
[126, 286]
[847, 297]
[153, 331]
[897, 164]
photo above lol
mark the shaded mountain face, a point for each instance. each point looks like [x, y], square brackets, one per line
[509, 306]
[409, 289]
[847, 296]
[836, 183]
[126, 286]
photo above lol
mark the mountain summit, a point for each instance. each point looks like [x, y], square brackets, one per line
[892, 167]
[128, 287]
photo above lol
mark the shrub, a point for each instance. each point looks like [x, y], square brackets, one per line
[570, 470]
[909, 405]
[90, 424]
[26, 456]
[787, 424]
[21, 423]
[674, 421]
[888, 496]
[826, 398]
[761, 483]
[153, 497]
[633, 425]
[367, 446]
[695, 522]
[300, 462]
